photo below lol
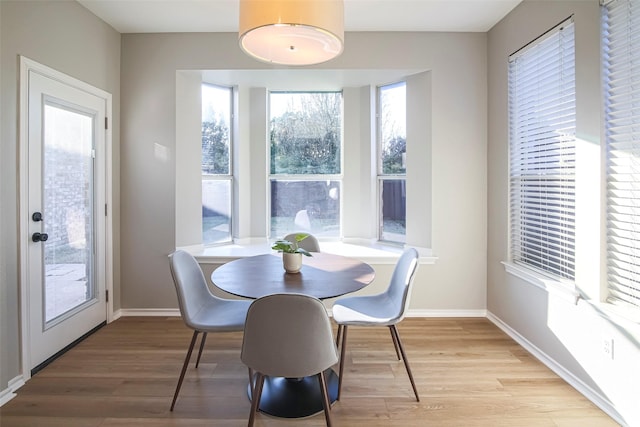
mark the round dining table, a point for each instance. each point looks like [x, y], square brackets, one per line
[323, 275]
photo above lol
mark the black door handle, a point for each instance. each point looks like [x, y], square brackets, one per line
[40, 237]
[37, 216]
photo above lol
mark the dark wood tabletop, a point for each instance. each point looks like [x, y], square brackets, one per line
[323, 275]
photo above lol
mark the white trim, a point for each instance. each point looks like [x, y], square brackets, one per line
[108, 196]
[27, 65]
[446, 313]
[440, 313]
[598, 399]
[174, 312]
[369, 251]
[147, 312]
[10, 392]
[23, 179]
[567, 291]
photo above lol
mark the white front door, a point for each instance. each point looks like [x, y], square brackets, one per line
[66, 215]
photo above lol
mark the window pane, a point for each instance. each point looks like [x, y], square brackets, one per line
[312, 206]
[393, 198]
[305, 132]
[393, 133]
[216, 137]
[392, 143]
[68, 210]
[216, 160]
[542, 154]
[216, 211]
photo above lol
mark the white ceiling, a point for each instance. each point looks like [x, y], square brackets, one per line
[160, 16]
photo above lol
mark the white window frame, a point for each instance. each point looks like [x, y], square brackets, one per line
[527, 204]
[380, 175]
[228, 177]
[305, 177]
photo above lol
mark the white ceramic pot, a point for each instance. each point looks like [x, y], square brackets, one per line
[292, 262]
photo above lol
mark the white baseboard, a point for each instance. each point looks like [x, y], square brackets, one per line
[10, 392]
[146, 312]
[174, 312]
[446, 313]
[596, 398]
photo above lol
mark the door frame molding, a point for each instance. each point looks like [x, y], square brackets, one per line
[27, 65]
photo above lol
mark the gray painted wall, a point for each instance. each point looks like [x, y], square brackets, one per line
[457, 65]
[67, 37]
[570, 334]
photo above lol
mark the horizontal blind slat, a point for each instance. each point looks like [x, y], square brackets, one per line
[621, 71]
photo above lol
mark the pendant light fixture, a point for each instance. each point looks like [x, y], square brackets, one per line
[292, 32]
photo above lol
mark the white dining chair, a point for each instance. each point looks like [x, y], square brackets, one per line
[290, 336]
[385, 309]
[200, 309]
[310, 242]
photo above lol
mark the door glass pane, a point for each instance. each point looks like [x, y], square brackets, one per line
[67, 214]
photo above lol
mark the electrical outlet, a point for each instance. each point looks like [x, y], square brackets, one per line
[607, 347]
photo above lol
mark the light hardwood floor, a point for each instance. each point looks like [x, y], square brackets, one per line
[468, 373]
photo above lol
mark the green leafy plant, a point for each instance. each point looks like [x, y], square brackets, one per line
[286, 246]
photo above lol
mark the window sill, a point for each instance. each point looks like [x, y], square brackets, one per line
[371, 252]
[619, 314]
[616, 313]
[555, 287]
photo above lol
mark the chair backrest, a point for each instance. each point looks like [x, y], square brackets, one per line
[310, 243]
[399, 290]
[191, 286]
[288, 335]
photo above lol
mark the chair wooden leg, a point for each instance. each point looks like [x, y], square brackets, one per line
[204, 338]
[394, 331]
[325, 398]
[255, 402]
[338, 336]
[184, 368]
[343, 351]
[395, 343]
[251, 385]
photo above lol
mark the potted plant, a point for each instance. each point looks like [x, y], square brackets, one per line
[291, 252]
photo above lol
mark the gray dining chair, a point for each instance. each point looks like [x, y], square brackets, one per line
[310, 243]
[288, 335]
[200, 309]
[385, 309]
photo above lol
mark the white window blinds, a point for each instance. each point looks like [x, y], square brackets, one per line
[542, 153]
[621, 63]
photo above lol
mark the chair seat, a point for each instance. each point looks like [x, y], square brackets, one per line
[222, 316]
[200, 309]
[366, 310]
[288, 335]
[385, 309]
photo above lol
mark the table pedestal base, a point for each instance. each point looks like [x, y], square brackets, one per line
[296, 397]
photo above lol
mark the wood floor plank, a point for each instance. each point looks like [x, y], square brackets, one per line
[468, 372]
